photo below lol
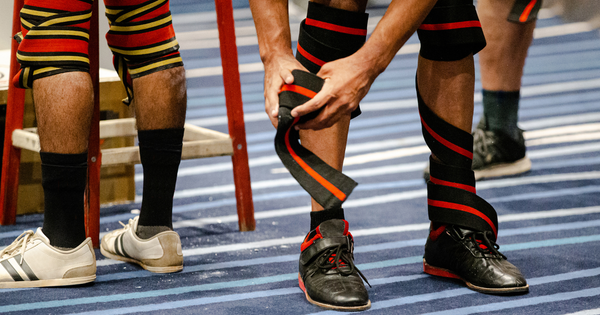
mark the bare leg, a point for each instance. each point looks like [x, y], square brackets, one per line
[160, 104]
[503, 59]
[160, 99]
[447, 89]
[64, 106]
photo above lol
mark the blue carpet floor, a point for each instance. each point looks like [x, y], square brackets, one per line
[549, 217]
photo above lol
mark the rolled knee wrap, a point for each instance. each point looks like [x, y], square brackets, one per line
[451, 197]
[141, 38]
[451, 31]
[326, 185]
[54, 39]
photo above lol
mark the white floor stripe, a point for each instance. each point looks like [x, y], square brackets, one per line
[587, 312]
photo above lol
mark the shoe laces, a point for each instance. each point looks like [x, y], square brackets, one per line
[484, 244]
[19, 243]
[128, 225]
[335, 259]
[482, 142]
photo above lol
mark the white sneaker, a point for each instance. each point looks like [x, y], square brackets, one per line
[30, 261]
[161, 253]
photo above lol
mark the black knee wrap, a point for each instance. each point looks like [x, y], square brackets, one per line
[451, 197]
[451, 31]
[328, 34]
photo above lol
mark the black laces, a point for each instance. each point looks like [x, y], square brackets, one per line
[484, 244]
[337, 258]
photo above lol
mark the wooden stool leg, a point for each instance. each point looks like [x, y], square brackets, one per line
[11, 159]
[235, 115]
[92, 195]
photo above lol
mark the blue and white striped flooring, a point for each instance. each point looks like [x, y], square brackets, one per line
[549, 217]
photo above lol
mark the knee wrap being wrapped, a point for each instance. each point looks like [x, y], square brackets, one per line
[451, 31]
[142, 38]
[53, 39]
[328, 34]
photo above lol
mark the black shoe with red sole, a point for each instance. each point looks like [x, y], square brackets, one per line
[327, 274]
[472, 257]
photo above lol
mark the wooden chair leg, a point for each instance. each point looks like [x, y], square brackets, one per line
[235, 115]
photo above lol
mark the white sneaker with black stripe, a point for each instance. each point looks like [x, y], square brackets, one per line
[30, 261]
[161, 253]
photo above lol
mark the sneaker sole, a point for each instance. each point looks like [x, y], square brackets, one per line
[47, 283]
[441, 272]
[505, 169]
[330, 306]
[166, 269]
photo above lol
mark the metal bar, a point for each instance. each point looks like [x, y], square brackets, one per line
[235, 114]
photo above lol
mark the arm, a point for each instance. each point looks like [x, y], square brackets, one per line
[349, 79]
[272, 27]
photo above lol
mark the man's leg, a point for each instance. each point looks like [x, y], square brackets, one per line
[499, 147]
[158, 93]
[328, 23]
[56, 68]
[160, 104]
[464, 227]
[64, 106]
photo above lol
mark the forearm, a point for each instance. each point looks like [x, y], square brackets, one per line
[272, 27]
[400, 21]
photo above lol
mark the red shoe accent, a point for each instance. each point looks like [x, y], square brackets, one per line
[440, 272]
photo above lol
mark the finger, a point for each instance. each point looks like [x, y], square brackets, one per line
[320, 100]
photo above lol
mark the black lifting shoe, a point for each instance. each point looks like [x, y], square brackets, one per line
[327, 274]
[472, 257]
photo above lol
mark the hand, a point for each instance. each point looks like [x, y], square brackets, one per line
[347, 81]
[277, 73]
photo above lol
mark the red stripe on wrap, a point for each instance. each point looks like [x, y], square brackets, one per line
[54, 45]
[69, 6]
[298, 89]
[451, 184]
[449, 26]
[325, 183]
[335, 27]
[525, 15]
[310, 57]
[447, 143]
[459, 207]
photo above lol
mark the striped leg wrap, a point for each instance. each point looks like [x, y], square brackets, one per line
[524, 11]
[451, 197]
[326, 185]
[54, 39]
[451, 31]
[142, 38]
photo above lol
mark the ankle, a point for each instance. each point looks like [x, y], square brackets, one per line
[146, 232]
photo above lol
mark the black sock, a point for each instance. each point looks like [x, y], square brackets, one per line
[63, 180]
[318, 217]
[501, 111]
[160, 153]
